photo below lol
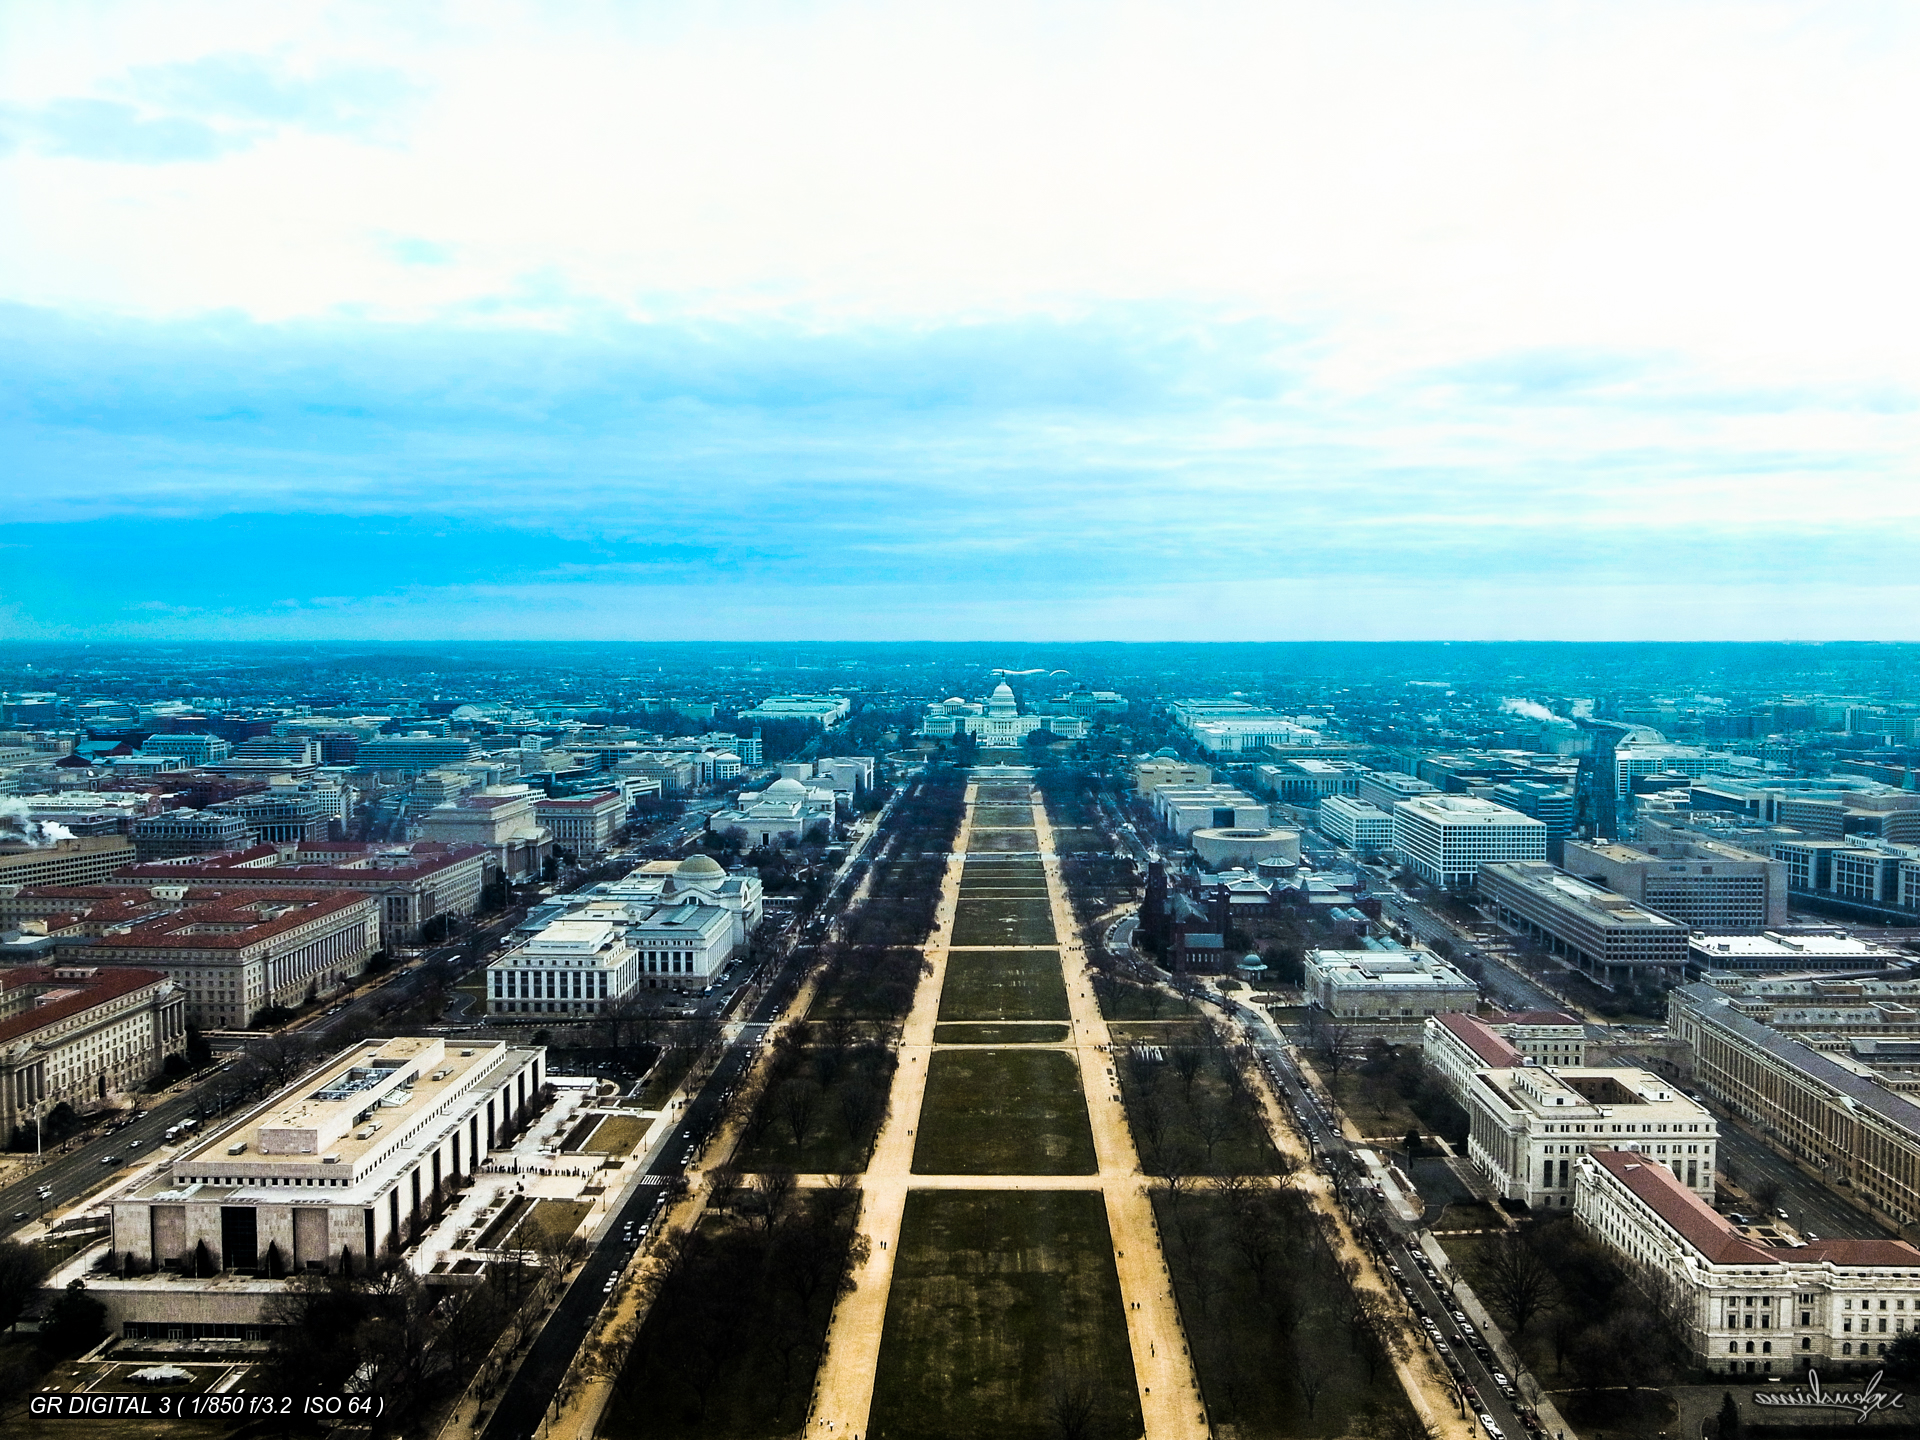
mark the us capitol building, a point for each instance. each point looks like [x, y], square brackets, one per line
[996, 723]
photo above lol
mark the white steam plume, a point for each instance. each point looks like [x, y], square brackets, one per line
[18, 822]
[1533, 710]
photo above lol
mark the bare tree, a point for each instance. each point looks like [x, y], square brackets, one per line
[798, 1101]
[1070, 1408]
[1338, 1052]
[1309, 1373]
[1213, 1124]
[771, 1188]
[1188, 1062]
[1518, 1281]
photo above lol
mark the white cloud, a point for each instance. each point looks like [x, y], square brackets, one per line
[1715, 179]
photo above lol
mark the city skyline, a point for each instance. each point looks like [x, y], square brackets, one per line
[1235, 322]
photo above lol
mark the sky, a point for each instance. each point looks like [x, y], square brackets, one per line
[966, 321]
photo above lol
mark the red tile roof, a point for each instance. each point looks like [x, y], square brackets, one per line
[1862, 1252]
[253, 914]
[1709, 1232]
[393, 862]
[1494, 1050]
[110, 983]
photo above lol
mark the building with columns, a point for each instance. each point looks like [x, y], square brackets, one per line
[231, 951]
[82, 1034]
[1751, 1306]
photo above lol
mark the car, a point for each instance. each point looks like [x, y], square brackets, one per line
[1492, 1427]
[1783, 1214]
[1501, 1380]
[109, 1159]
[22, 1215]
[133, 1144]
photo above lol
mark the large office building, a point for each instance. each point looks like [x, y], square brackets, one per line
[1457, 1044]
[1529, 1125]
[1384, 994]
[1553, 805]
[1607, 935]
[339, 1168]
[189, 832]
[1774, 952]
[1358, 824]
[1704, 884]
[415, 752]
[416, 882]
[502, 820]
[193, 749]
[573, 966]
[1445, 839]
[583, 824]
[1308, 781]
[82, 1035]
[1186, 808]
[1387, 788]
[1836, 1116]
[825, 711]
[1752, 1303]
[79, 861]
[232, 951]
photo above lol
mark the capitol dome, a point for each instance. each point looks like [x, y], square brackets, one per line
[699, 867]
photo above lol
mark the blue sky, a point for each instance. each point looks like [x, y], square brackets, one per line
[894, 321]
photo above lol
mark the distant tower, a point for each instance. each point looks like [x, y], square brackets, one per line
[1597, 786]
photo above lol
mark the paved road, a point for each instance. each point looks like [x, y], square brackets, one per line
[1808, 1203]
[1512, 989]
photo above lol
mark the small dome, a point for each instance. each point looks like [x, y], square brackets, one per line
[700, 867]
[786, 786]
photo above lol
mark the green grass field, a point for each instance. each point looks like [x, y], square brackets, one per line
[978, 1034]
[999, 1302]
[616, 1136]
[988, 842]
[1261, 1297]
[1004, 985]
[993, 817]
[988, 921]
[580, 1133]
[1003, 1112]
[1003, 794]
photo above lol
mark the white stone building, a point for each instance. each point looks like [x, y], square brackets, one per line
[1445, 839]
[1529, 1125]
[502, 819]
[1387, 993]
[785, 813]
[1751, 1306]
[1358, 824]
[336, 1168]
[573, 966]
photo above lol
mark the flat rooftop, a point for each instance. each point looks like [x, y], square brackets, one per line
[338, 1122]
